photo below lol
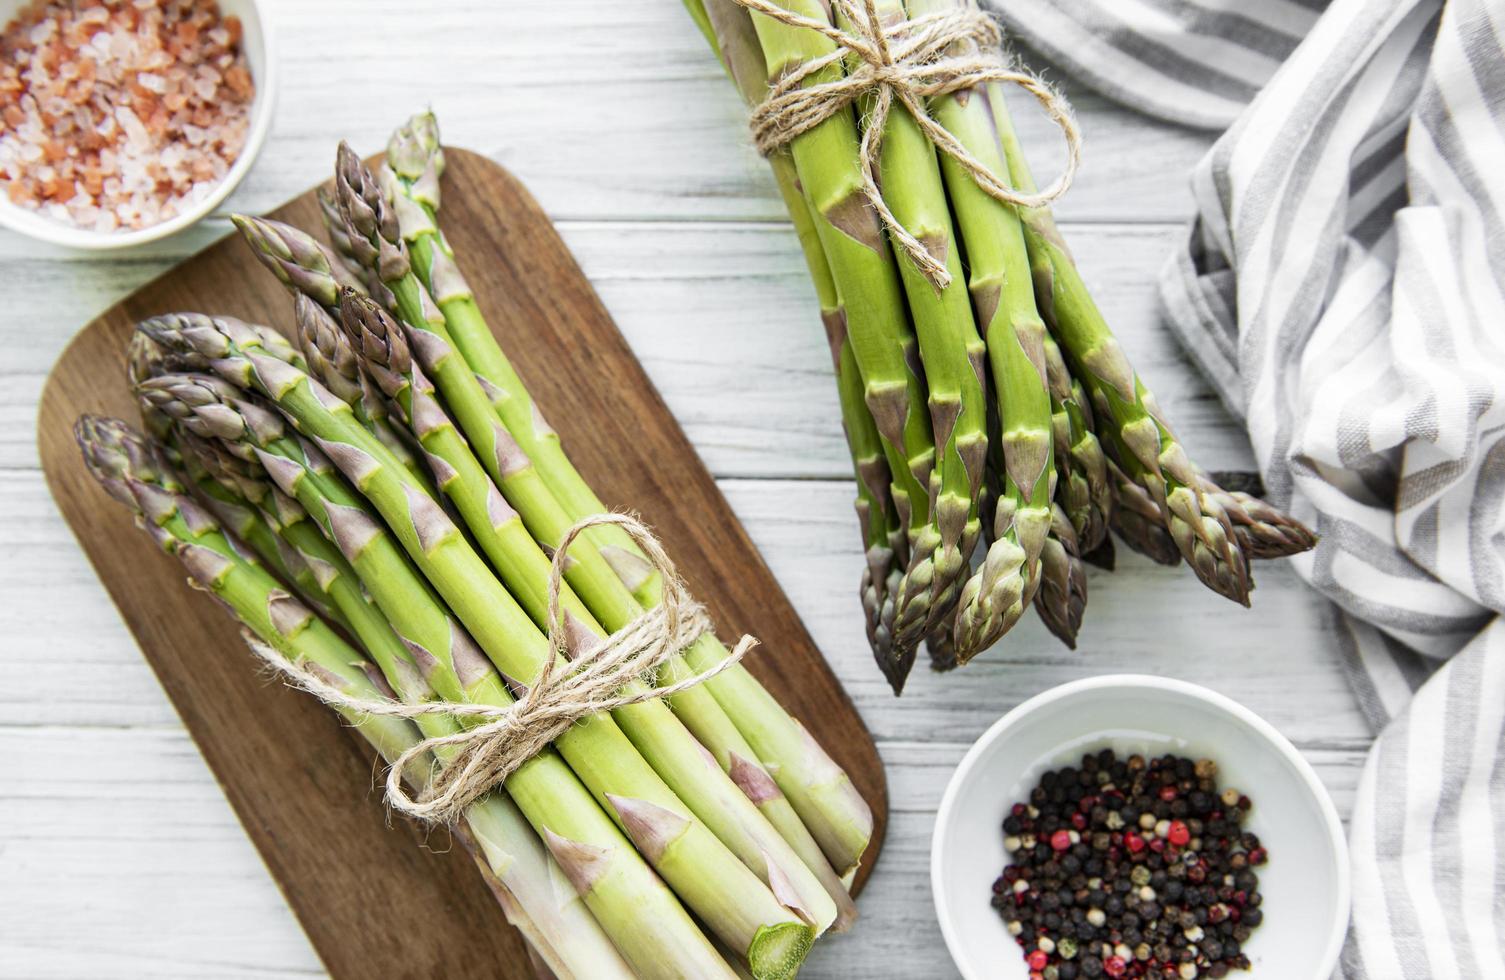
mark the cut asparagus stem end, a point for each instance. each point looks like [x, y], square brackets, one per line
[778, 950]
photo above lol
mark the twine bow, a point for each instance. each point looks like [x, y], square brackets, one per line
[613, 673]
[910, 60]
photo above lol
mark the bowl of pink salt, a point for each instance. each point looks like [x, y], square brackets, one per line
[125, 121]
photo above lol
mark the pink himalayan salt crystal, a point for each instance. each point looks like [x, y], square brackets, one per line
[119, 114]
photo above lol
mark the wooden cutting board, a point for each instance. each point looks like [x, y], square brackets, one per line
[382, 897]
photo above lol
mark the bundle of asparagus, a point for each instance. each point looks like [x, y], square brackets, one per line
[981, 390]
[383, 507]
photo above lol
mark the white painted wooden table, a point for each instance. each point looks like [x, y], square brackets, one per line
[118, 854]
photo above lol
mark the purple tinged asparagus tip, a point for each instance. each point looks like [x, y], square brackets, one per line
[377, 339]
[375, 238]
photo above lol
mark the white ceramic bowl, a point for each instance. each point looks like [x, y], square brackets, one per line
[257, 41]
[1305, 884]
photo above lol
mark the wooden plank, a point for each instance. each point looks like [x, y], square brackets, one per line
[722, 316]
[293, 777]
[1280, 658]
[89, 807]
[615, 111]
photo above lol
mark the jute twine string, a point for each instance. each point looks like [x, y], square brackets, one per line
[911, 60]
[500, 739]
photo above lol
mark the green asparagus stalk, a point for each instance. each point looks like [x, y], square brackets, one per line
[333, 364]
[822, 898]
[1003, 294]
[130, 471]
[886, 542]
[661, 736]
[951, 353]
[125, 466]
[724, 893]
[1062, 597]
[1148, 450]
[538, 898]
[826, 162]
[415, 162]
[886, 545]
[820, 794]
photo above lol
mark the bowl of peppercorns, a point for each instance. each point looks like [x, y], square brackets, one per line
[1138, 827]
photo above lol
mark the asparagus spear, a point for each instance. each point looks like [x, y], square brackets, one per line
[1062, 596]
[826, 162]
[1137, 520]
[1003, 295]
[415, 160]
[126, 466]
[143, 361]
[335, 365]
[1124, 409]
[551, 916]
[258, 526]
[941, 645]
[660, 735]
[951, 354]
[729, 898]
[707, 721]
[1263, 531]
[329, 214]
[1104, 556]
[732, 36]
[300, 261]
[1086, 493]
[134, 474]
[819, 791]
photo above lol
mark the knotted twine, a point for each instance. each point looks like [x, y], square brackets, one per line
[501, 739]
[910, 60]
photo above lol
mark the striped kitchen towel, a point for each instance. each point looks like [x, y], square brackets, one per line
[1343, 286]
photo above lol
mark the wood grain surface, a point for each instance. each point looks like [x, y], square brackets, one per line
[372, 900]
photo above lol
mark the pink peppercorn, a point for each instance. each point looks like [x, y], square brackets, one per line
[1134, 843]
[1061, 840]
[1168, 793]
[1179, 834]
[1037, 960]
[1114, 966]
